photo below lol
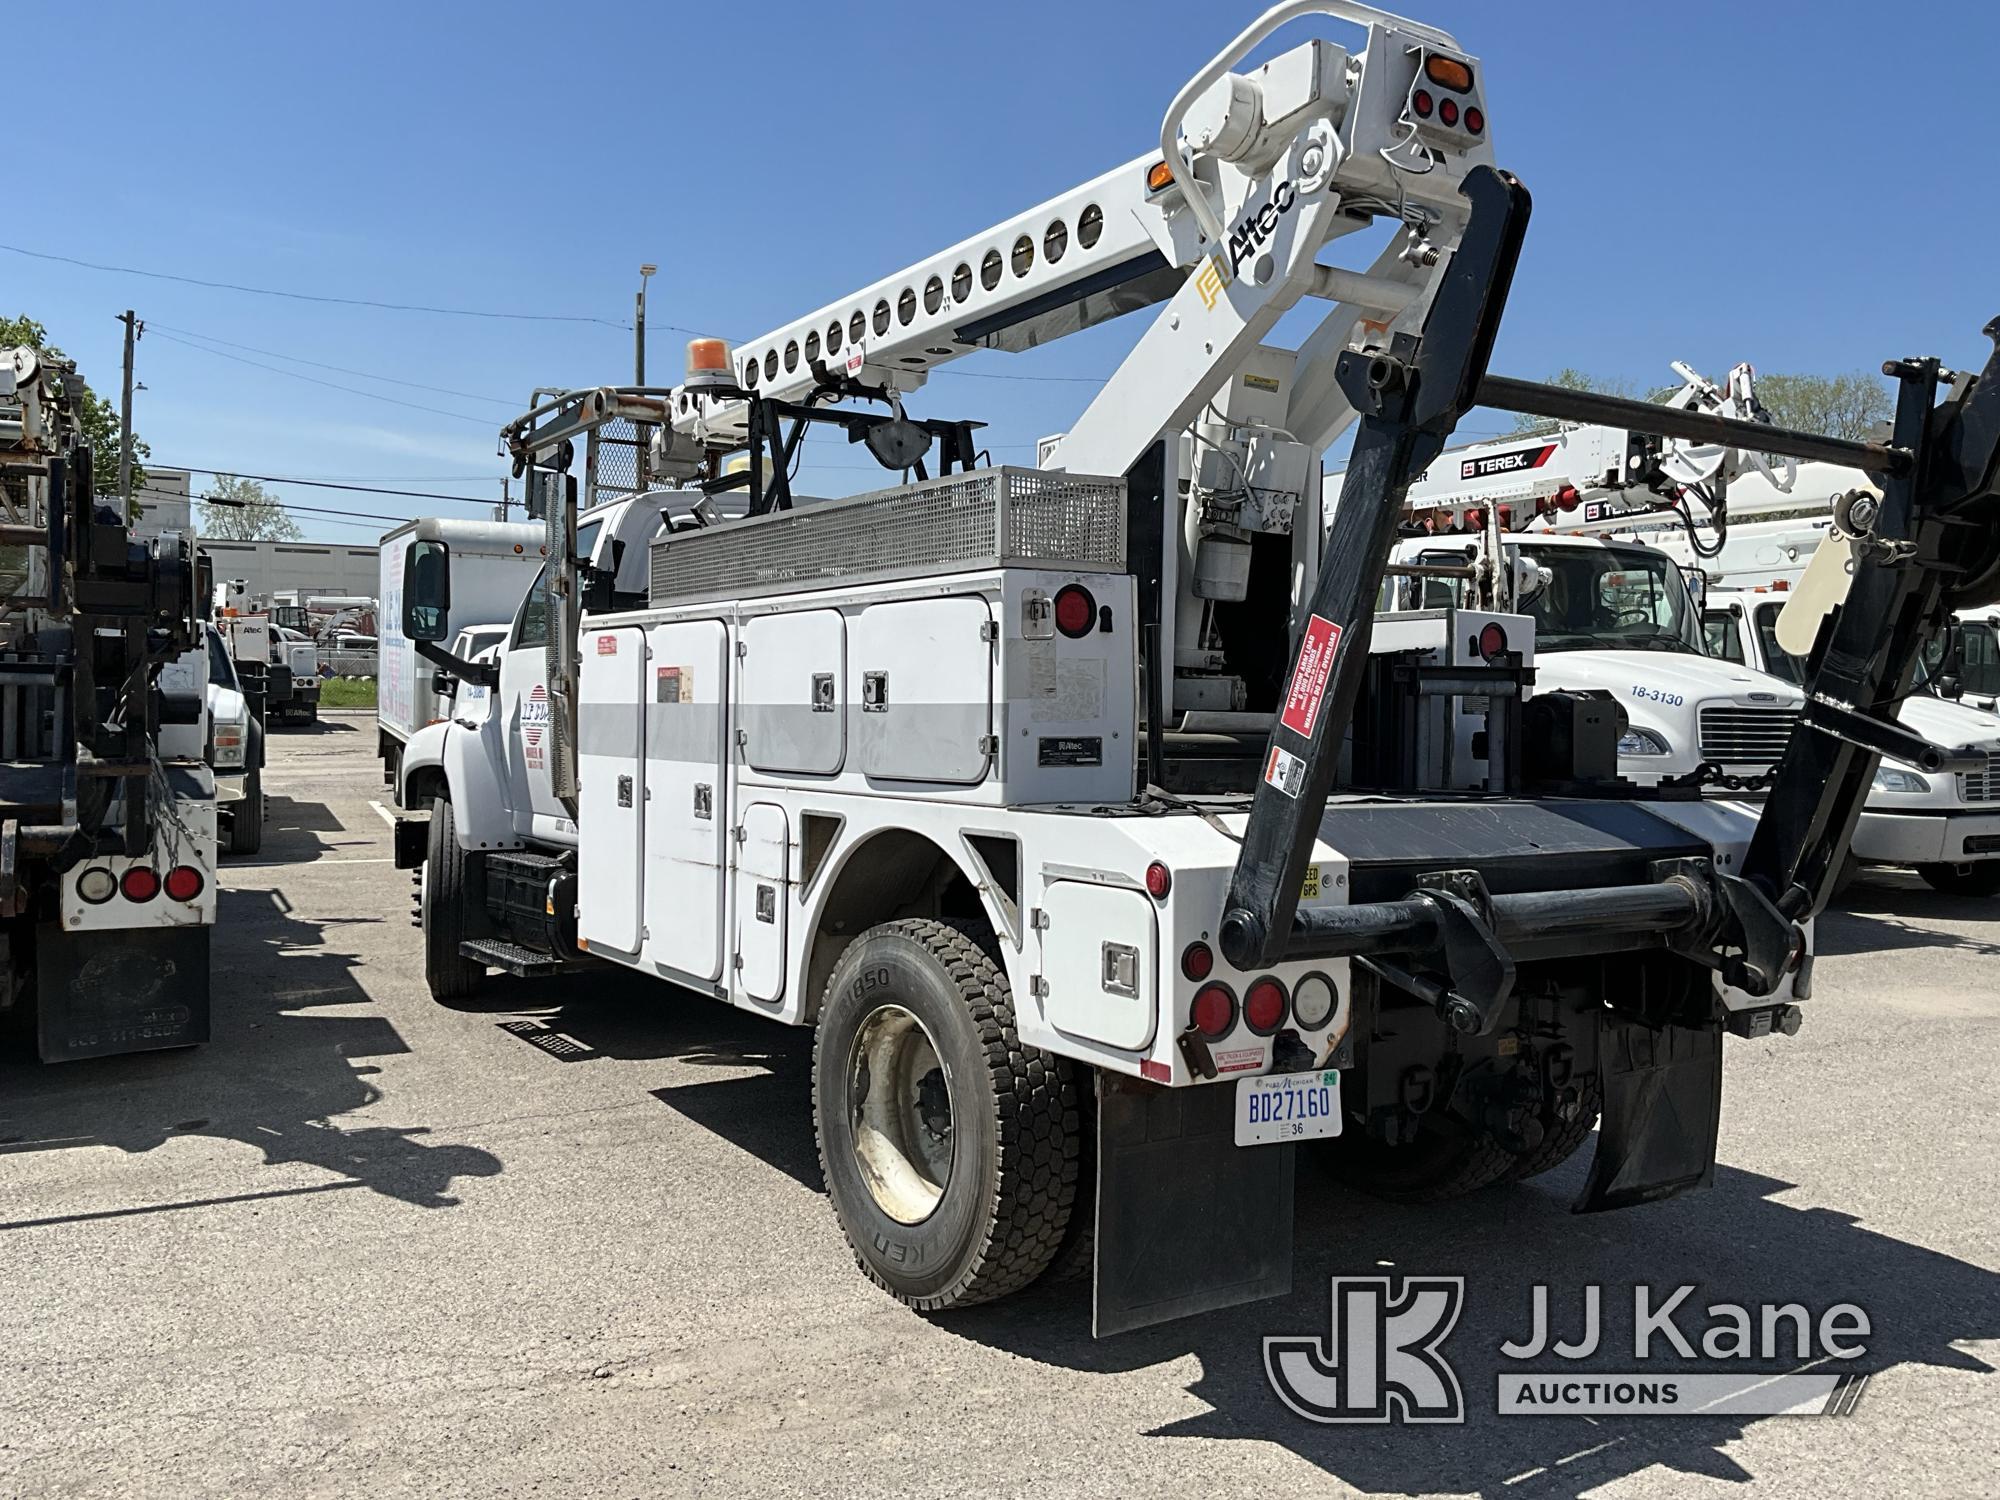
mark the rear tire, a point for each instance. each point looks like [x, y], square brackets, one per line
[1563, 1138]
[1980, 879]
[451, 879]
[246, 816]
[1448, 1159]
[950, 1149]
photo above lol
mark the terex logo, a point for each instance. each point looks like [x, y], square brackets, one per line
[1257, 225]
[1506, 463]
[1380, 1361]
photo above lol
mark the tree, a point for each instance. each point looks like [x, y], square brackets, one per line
[1843, 406]
[242, 510]
[1572, 379]
[97, 417]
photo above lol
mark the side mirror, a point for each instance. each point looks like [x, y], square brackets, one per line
[427, 591]
[1950, 687]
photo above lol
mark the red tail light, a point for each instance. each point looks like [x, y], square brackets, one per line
[1214, 1013]
[1264, 1006]
[1076, 610]
[184, 883]
[1198, 961]
[140, 884]
[1492, 639]
[1474, 120]
[1448, 111]
[1159, 880]
[1421, 102]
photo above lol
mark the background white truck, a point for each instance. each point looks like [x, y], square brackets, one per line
[493, 562]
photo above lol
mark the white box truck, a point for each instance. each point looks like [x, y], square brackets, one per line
[492, 564]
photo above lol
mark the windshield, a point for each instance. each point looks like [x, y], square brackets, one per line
[219, 669]
[1619, 598]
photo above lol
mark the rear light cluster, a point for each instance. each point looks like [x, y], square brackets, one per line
[1265, 1007]
[1433, 99]
[140, 884]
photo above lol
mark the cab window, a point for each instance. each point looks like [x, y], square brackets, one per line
[1777, 661]
[220, 669]
[1720, 636]
[1979, 659]
[531, 626]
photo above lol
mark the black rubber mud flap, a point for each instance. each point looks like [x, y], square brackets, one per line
[1662, 1110]
[1187, 1221]
[137, 989]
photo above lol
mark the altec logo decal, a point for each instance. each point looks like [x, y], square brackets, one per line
[1315, 665]
[1257, 225]
[1506, 463]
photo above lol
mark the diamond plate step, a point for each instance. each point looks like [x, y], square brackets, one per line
[524, 963]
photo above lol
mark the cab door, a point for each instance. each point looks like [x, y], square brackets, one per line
[524, 705]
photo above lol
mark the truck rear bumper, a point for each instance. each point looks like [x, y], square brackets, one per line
[1885, 838]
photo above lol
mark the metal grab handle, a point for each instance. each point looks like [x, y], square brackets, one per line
[1228, 57]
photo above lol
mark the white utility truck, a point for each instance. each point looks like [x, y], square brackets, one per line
[493, 562]
[1109, 845]
[107, 806]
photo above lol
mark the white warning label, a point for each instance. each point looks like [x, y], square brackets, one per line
[1285, 771]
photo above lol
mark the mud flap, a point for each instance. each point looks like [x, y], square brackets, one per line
[135, 989]
[1187, 1221]
[1662, 1110]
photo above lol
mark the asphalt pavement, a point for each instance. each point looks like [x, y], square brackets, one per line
[579, 1245]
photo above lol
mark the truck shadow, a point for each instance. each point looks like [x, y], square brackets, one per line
[1891, 911]
[285, 1063]
[1734, 1243]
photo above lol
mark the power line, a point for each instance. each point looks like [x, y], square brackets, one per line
[324, 484]
[263, 291]
[318, 365]
[331, 385]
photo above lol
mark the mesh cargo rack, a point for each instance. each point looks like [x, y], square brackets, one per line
[989, 518]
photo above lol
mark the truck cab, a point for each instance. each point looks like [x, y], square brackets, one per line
[1620, 618]
[1945, 825]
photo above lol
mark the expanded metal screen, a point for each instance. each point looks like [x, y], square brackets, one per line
[1004, 517]
[615, 467]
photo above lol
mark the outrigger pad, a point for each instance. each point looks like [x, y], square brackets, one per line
[1662, 1111]
[1187, 1221]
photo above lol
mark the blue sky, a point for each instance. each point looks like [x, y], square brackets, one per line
[1798, 185]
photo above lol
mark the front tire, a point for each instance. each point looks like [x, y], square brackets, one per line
[1981, 879]
[950, 1149]
[246, 817]
[452, 879]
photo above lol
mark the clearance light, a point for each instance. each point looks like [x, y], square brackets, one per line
[1449, 73]
[1214, 1012]
[1197, 961]
[708, 366]
[140, 884]
[1159, 880]
[1264, 1006]
[1159, 177]
[1076, 610]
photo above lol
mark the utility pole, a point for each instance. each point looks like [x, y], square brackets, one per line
[133, 328]
[643, 454]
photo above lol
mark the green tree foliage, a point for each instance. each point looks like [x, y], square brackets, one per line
[97, 416]
[1572, 379]
[242, 510]
[1843, 406]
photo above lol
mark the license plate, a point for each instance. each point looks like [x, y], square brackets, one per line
[1287, 1107]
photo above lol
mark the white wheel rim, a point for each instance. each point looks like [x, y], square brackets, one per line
[899, 1111]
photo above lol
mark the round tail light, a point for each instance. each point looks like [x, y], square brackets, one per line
[140, 884]
[184, 883]
[1448, 111]
[1159, 880]
[1492, 639]
[1076, 610]
[1198, 961]
[97, 885]
[1313, 1001]
[1214, 1013]
[1474, 120]
[1422, 103]
[1264, 1006]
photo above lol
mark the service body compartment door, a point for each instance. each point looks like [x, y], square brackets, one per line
[1100, 958]
[611, 788]
[924, 682]
[762, 895]
[687, 814]
[792, 692]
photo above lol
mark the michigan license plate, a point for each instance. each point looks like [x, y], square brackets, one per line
[1287, 1107]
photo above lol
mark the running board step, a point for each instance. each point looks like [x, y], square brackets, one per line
[523, 963]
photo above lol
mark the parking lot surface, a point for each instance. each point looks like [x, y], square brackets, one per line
[576, 1243]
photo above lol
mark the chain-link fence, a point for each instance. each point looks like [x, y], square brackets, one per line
[362, 662]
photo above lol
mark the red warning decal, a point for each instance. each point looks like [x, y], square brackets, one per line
[607, 645]
[1309, 675]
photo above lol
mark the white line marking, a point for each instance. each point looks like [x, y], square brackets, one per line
[382, 812]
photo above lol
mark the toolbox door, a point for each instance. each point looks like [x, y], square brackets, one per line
[687, 814]
[763, 864]
[923, 671]
[1100, 960]
[791, 699]
[611, 788]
